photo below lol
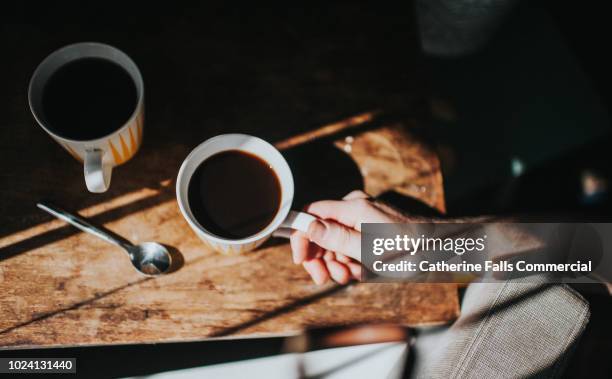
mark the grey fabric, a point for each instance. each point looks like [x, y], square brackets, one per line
[506, 330]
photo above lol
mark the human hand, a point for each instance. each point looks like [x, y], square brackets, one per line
[332, 246]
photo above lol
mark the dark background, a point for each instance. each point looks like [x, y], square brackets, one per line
[540, 91]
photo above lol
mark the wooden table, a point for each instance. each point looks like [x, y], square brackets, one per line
[59, 286]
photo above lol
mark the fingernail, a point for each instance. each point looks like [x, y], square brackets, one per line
[316, 230]
[318, 279]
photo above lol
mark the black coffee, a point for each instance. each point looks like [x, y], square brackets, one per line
[234, 194]
[88, 98]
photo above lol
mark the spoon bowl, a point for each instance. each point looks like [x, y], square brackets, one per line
[150, 258]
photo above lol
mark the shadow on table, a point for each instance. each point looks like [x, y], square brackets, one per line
[320, 170]
[63, 232]
[408, 204]
[207, 71]
[393, 198]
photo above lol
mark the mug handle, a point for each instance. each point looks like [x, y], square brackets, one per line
[97, 174]
[295, 221]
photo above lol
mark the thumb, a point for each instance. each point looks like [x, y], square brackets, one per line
[336, 237]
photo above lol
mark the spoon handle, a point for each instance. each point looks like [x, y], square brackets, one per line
[79, 222]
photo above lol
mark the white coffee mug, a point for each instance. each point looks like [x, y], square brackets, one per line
[285, 219]
[99, 155]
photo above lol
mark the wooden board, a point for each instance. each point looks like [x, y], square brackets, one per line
[70, 288]
[59, 286]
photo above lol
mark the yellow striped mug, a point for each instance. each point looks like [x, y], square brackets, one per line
[101, 154]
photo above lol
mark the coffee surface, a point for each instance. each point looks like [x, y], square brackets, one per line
[88, 98]
[234, 194]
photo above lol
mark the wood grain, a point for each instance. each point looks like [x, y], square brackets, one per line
[79, 290]
[280, 77]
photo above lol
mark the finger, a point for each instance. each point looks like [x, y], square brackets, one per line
[329, 256]
[356, 269]
[339, 272]
[317, 270]
[335, 237]
[299, 246]
[344, 211]
[348, 212]
[357, 194]
[343, 258]
[302, 249]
